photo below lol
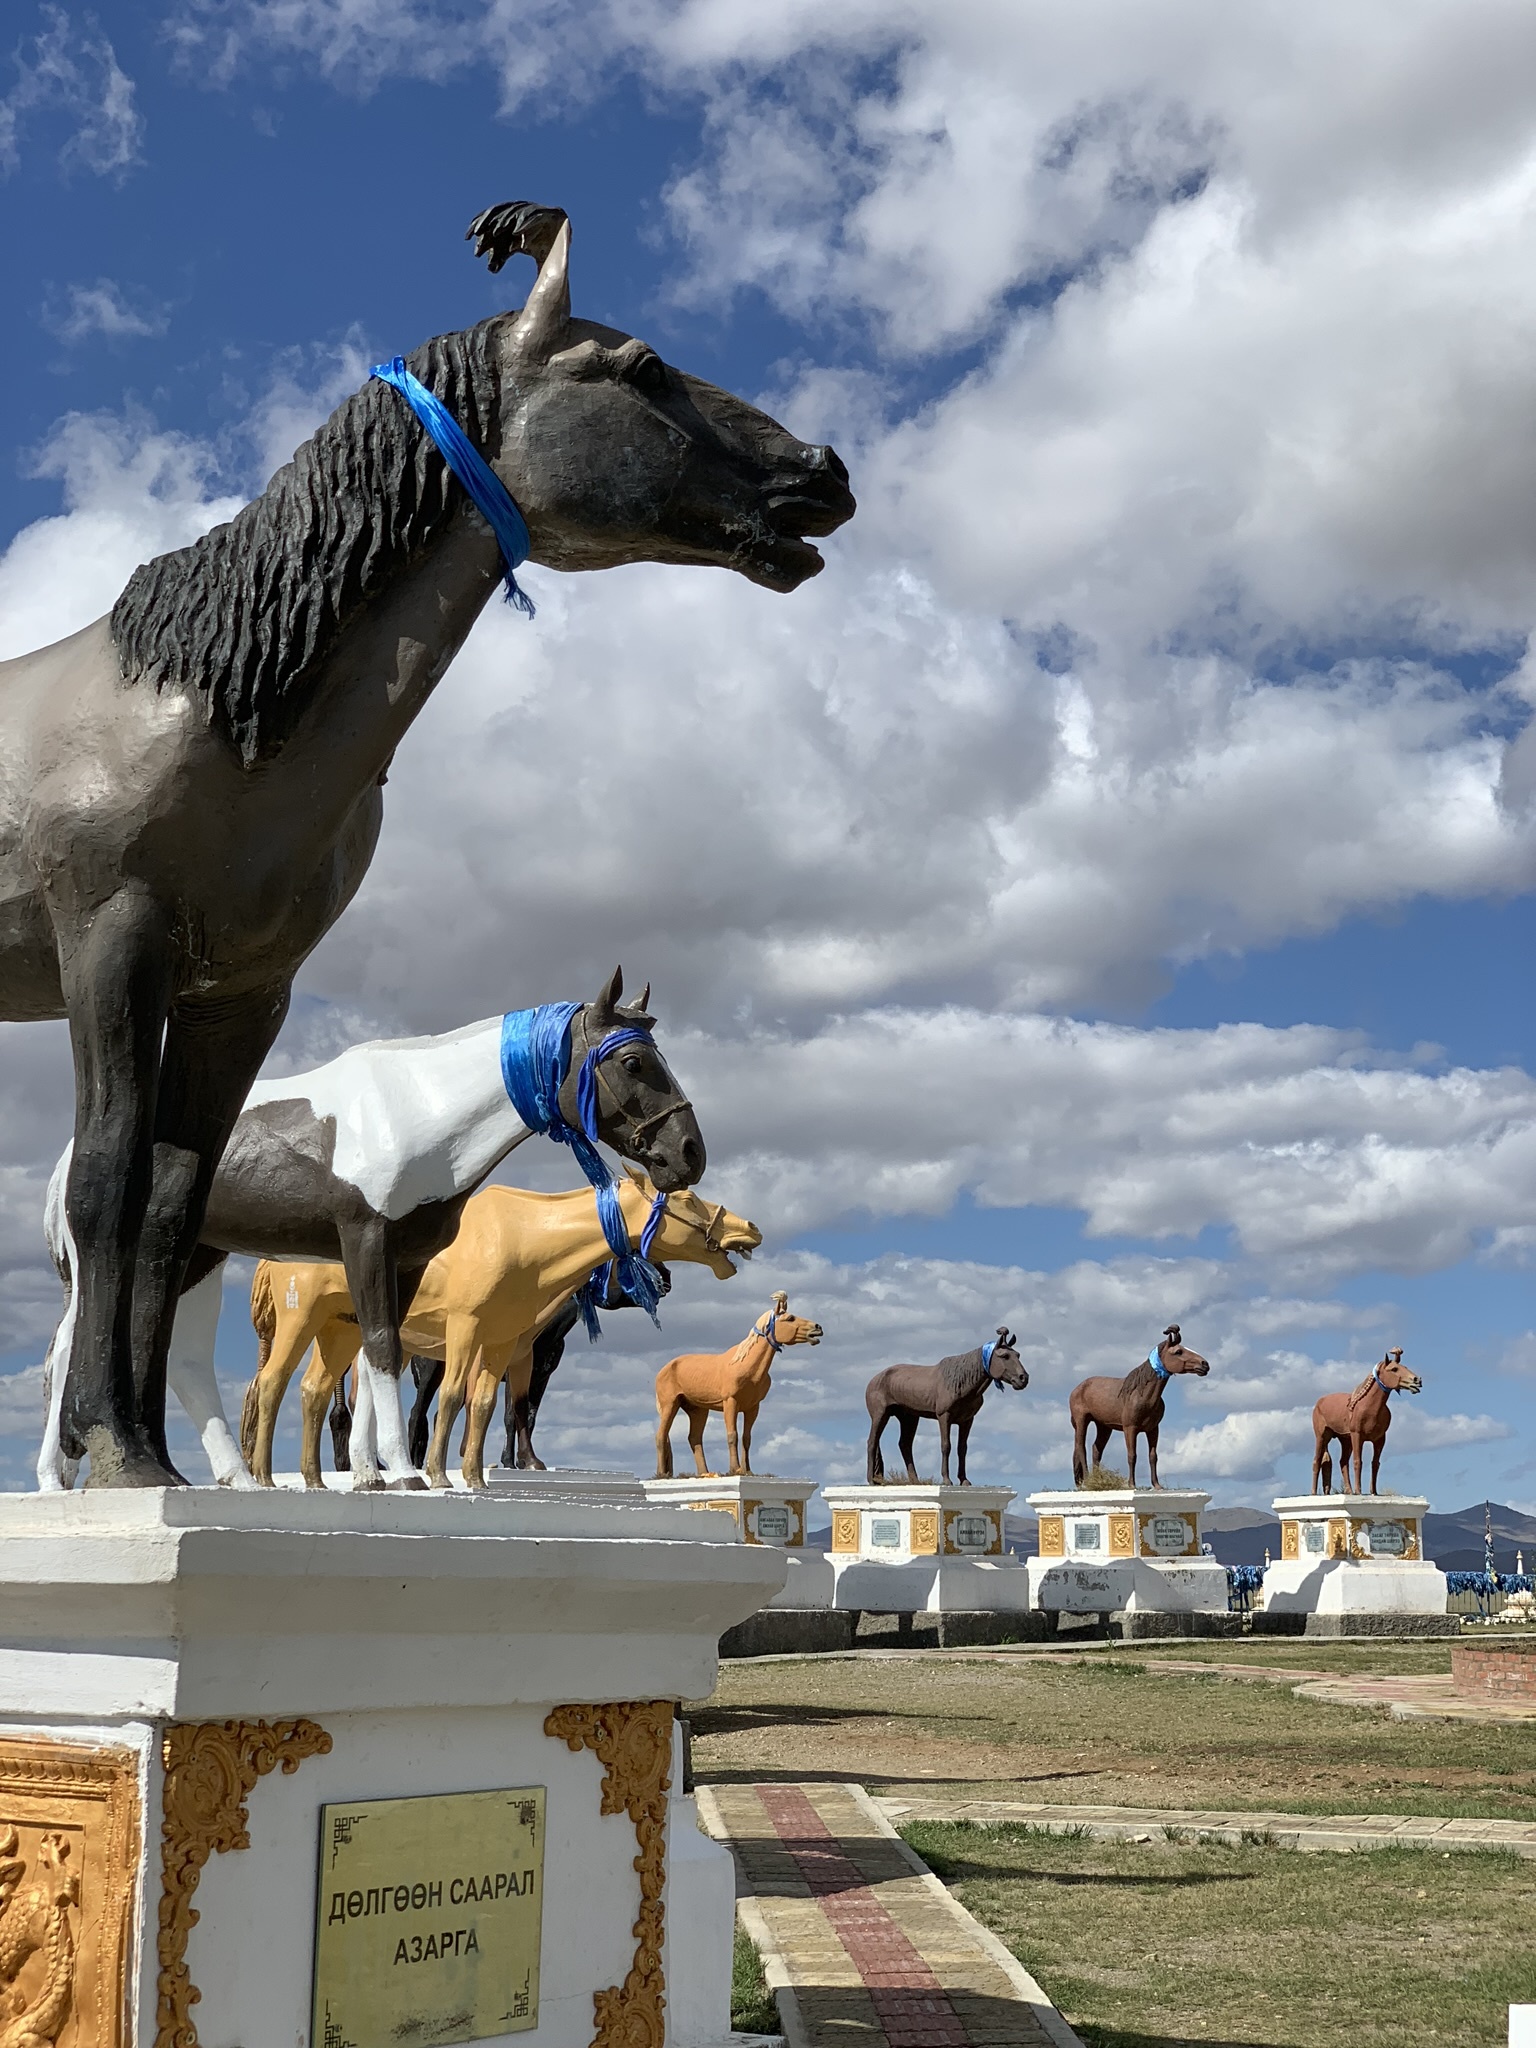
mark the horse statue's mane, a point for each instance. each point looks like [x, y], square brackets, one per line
[245, 614]
[963, 1373]
[1362, 1390]
[1139, 1378]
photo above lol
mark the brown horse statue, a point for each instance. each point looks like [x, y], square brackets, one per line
[1358, 1419]
[732, 1384]
[1134, 1404]
[949, 1393]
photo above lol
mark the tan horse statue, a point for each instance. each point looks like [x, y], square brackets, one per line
[517, 1257]
[1356, 1420]
[732, 1384]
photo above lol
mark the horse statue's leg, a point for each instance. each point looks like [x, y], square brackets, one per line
[1132, 1433]
[1102, 1432]
[324, 1386]
[340, 1421]
[942, 1419]
[1376, 1444]
[427, 1375]
[1079, 1448]
[283, 1337]
[193, 1381]
[1152, 1430]
[879, 1416]
[374, 1284]
[517, 1365]
[962, 1438]
[667, 1405]
[460, 1346]
[748, 1417]
[907, 1420]
[698, 1421]
[730, 1415]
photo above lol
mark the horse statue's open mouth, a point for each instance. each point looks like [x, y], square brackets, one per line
[817, 501]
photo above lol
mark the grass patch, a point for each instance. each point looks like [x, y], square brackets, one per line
[1164, 1943]
[1426, 1659]
[1094, 1730]
[752, 2008]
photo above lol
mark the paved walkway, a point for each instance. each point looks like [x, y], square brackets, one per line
[1282, 1830]
[862, 1945]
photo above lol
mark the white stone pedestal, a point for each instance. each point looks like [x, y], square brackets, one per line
[768, 1511]
[1350, 1556]
[923, 1550]
[187, 1677]
[1133, 1550]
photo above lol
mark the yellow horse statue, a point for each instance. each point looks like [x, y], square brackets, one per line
[480, 1304]
[732, 1384]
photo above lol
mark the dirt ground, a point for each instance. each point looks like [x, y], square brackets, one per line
[1109, 1730]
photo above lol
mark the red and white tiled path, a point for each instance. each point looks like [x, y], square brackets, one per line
[862, 1945]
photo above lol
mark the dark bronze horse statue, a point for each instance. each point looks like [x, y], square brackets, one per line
[949, 1393]
[191, 788]
[1358, 1419]
[1134, 1404]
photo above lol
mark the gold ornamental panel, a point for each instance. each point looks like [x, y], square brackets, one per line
[1290, 1545]
[1338, 1537]
[716, 1507]
[1122, 1536]
[845, 1529]
[427, 1918]
[1053, 1536]
[69, 1859]
[1413, 1545]
[924, 1541]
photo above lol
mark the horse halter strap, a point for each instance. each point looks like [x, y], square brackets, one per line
[491, 498]
[637, 1127]
[1158, 1367]
[987, 1350]
[1376, 1376]
[768, 1336]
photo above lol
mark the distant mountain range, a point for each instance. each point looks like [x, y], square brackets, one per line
[1242, 1535]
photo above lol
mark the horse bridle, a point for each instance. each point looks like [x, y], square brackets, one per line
[710, 1230]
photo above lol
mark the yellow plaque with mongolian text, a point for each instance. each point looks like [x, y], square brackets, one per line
[427, 1916]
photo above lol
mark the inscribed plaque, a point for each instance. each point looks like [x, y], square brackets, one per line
[427, 1919]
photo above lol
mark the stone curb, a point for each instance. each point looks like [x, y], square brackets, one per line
[1339, 1833]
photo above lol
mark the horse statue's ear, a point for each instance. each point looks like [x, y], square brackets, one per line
[1003, 1336]
[1172, 1334]
[605, 1006]
[636, 1012]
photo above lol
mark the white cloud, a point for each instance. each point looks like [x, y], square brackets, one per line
[101, 308]
[76, 75]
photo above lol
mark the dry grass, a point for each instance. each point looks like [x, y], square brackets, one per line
[1092, 1729]
[1161, 1945]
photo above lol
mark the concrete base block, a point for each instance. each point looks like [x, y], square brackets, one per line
[1332, 1626]
[1140, 1625]
[790, 1632]
[950, 1630]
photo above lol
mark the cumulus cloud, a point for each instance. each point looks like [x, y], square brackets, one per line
[103, 308]
[73, 75]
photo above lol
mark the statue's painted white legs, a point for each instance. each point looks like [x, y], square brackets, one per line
[379, 1396]
[190, 1372]
[55, 1472]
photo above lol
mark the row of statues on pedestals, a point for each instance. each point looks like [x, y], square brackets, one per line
[381, 1153]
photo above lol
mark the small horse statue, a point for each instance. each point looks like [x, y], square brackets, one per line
[1356, 1420]
[479, 1306]
[370, 1159]
[949, 1393]
[1134, 1404]
[733, 1384]
[193, 785]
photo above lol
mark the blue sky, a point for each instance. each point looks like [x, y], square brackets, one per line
[1171, 678]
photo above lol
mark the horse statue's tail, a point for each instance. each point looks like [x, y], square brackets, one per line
[264, 1321]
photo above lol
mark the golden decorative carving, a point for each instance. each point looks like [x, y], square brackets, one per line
[845, 1529]
[211, 1768]
[748, 1509]
[1338, 1537]
[632, 1740]
[69, 1857]
[1122, 1536]
[1053, 1536]
[925, 1532]
[1413, 1547]
[717, 1507]
[1290, 1541]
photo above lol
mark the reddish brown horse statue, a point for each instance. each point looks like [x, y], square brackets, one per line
[1356, 1420]
[1134, 1404]
[949, 1393]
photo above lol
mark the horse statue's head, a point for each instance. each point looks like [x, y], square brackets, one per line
[613, 455]
[786, 1329]
[1005, 1365]
[1395, 1376]
[1175, 1355]
[698, 1232]
[641, 1111]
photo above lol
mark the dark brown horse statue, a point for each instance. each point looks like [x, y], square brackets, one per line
[1134, 1404]
[949, 1393]
[192, 786]
[1356, 1420]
